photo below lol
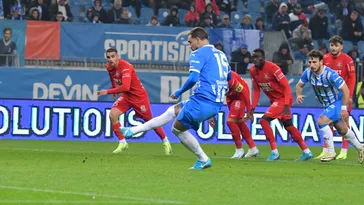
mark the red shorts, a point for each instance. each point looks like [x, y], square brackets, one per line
[141, 108]
[236, 109]
[275, 111]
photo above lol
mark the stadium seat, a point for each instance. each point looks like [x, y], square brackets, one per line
[254, 5]
[132, 12]
[145, 15]
[235, 17]
[76, 12]
[181, 15]
[222, 14]
[162, 13]
[361, 48]
[254, 16]
[348, 45]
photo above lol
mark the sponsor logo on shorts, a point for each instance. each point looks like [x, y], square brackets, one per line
[143, 109]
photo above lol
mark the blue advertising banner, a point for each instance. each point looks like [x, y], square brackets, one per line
[141, 44]
[51, 84]
[89, 121]
[18, 36]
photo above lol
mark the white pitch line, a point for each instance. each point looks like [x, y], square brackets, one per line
[67, 202]
[150, 200]
[55, 151]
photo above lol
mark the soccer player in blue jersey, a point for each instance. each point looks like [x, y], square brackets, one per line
[333, 93]
[210, 72]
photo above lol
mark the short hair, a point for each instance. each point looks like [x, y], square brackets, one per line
[199, 32]
[111, 50]
[336, 39]
[7, 29]
[259, 50]
[315, 54]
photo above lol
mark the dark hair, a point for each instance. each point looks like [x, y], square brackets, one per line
[199, 32]
[7, 29]
[111, 50]
[259, 50]
[315, 54]
[336, 39]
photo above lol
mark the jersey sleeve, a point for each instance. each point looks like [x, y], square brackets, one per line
[14, 47]
[304, 76]
[196, 62]
[336, 80]
[351, 80]
[282, 80]
[126, 81]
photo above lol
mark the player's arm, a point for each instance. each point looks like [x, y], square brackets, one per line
[15, 55]
[300, 85]
[113, 84]
[351, 81]
[126, 81]
[282, 80]
[245, 95]
[340, 84]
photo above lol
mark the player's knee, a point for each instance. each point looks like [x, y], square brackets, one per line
[176, 131]
[342, 129]
[175, 109]
[321, 121]
[114, 115]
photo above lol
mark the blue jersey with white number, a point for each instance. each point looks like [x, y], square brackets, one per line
[325, 85]
[213, 67]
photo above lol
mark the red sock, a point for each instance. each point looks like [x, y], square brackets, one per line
[345, 144]
[245, 132]
[268, 133]
[160, 133]
[116, 129]
[235, 132]
[296, 136]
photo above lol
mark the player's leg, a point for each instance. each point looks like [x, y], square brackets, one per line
[245, 132]
[345, 144]
[119, 107]
[324, 149]
[296, 136]
[324, 122]
[154, 123]
[232, 122]
[190, 116]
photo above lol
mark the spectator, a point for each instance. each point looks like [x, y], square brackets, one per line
[99, 11]
[219, 46]
[59, 17]
[113, 15]
[18, 5]
[259, 24]
[15, 14]
[352, 28]
[207, 22]
[308, 5]
[358, 5]
[172, 19]
[297, 17]
[240, 59]
[136, 4]
[271, 9]
[283, 57]
[209, 12]
[42, 8]
[63, 7]
[302, 35]
[301, 54]
[185, 4]
[8, 49]
[342, 11]
[34, 14]
[225, 22]
[290, 5]
[225, 6]
[89, 16]
[354, 54]
[153, 21]
[245, 23]
[125, 17]
[192, 18]
[281, 20]
[323, 48]
[319, 25]
[202, 4]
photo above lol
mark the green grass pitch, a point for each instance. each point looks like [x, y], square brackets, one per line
[64, 172]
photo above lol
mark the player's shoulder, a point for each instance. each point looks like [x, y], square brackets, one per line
[124, 65]
[329, 70]
[347, 57]
[271, 67]
[327, 55]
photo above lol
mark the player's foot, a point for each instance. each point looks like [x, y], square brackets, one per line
[361, 155]
[342, 155]
[323, 153]
[252, 153]
[273, 156]
[328, 157]
[121, 147]
[167, 147]
[126, 132]
[202, 165]
[239, 153]
[305, 156]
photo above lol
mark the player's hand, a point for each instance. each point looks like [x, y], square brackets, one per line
[286, 110]
[300, 99]
[102, 92]
[344, 115]
[114, 96]
[250, 115]
[173, 96]
[212, 122]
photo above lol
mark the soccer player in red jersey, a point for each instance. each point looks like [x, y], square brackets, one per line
[268, 77]
[124, 80]
[237, 99]
[344, 66]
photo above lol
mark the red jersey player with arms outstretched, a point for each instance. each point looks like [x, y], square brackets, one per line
[344, 66]
[268, 77]
[124, 80]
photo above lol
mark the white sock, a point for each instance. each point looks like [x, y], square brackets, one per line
[190, 142]
[350, 137]
[306, 151]
[325, 150]
[156, 122]
[344, 150]
[122, 141]
[241, 149]
[329, 138]
[275, 151]
[254, 148]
